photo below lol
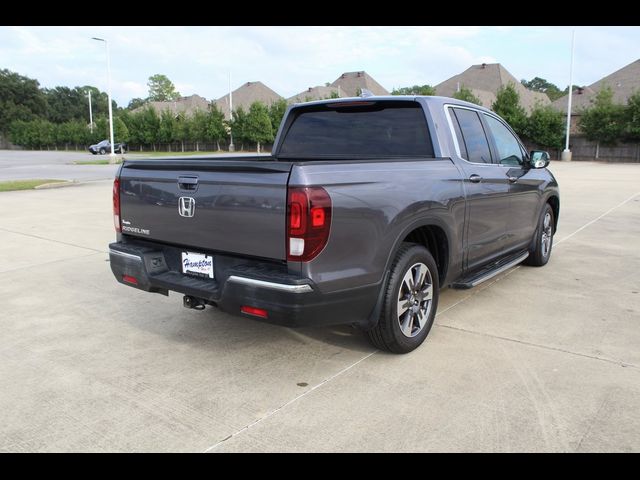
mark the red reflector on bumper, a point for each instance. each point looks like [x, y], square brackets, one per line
[130, 279]
[258, 312]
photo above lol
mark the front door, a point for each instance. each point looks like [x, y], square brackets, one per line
[524, 184]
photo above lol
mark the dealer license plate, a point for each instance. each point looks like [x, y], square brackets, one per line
[197, 264]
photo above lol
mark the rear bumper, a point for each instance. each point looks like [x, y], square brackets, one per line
[289, 300]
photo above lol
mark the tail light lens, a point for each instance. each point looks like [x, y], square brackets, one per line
[308, 222]
[116, 204]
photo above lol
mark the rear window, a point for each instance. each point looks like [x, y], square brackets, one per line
[370, 129]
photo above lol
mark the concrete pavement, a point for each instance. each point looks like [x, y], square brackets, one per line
[541, 359]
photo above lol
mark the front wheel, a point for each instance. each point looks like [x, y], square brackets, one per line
[103, 151]
[540, 252]
[410, 301]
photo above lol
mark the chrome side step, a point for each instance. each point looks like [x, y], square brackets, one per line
[491, 271]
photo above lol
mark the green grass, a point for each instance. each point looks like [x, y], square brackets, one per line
[92, 162]
[25, 184]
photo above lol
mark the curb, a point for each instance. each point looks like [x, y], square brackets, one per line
[67, 183]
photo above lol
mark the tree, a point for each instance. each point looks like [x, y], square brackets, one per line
[216, 130]
[20, 99]
[120, 131]
[538, 84]
[276, 112]
[466, 95]
[65, 104]
[101, 130]
[150, 124]
[198, 125]
[415, 90]
[183, 130]
[545, 127]
[239, 126]
[134, 122]
[603, 120]
[632, 120]
[136, 103]
[166, 132]
[507, 105]
[161, 89]
[259, 129]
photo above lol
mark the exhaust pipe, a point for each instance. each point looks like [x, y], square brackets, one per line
[192, 302]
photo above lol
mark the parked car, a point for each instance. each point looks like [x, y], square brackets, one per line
[105, 147]
[365, 209]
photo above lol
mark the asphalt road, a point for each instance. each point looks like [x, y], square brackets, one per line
[539, 359]
[59, 165]
[20, 165]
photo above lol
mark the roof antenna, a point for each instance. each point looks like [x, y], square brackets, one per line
[366, 93]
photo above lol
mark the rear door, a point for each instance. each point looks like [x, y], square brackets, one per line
[486, 188]
[227, 205]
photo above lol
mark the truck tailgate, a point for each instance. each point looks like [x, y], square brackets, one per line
[230, 205]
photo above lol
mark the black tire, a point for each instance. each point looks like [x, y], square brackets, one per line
[102, 151]
[388, 334]
[542, 242]
[93, 153]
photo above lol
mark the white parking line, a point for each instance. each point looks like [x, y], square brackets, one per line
[598, 218]
[324, 382]
[273, 412]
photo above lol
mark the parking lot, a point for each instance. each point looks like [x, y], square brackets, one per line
[537, 359]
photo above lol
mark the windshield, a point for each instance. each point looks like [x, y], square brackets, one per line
[363, 128]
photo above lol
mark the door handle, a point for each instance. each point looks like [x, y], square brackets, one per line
[188, 183]
[513, 179]
[475, 178]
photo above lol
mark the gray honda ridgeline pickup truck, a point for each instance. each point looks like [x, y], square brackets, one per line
[365, 209]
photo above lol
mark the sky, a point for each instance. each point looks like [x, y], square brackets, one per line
[291, 59]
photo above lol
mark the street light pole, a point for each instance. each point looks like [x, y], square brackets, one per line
[112, 154]
[566, 154]
[90, 113]
[231, 145]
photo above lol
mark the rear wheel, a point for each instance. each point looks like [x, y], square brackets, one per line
[410, 301]
[540, 253]
[102, 151]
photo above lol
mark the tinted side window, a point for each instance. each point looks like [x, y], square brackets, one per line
[456, 129]
[475, 139]
[379, 129]
[509, 151]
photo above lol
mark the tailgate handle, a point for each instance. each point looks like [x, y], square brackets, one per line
[188, 183]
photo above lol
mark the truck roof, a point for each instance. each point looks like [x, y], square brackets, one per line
[433, 100]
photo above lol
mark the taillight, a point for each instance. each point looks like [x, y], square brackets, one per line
[116, 204]
[308, 222]
[257, 312]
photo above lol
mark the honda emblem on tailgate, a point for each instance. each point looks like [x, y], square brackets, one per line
[186, 207]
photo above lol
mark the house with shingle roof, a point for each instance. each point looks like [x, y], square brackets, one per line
[183, 106]
[245, 95]
[351, 82]
[484, 80]
[317, 93]
[624, 83]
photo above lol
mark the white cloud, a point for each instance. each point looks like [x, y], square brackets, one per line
[291, 59]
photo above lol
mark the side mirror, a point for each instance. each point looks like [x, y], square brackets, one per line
[539, 159]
